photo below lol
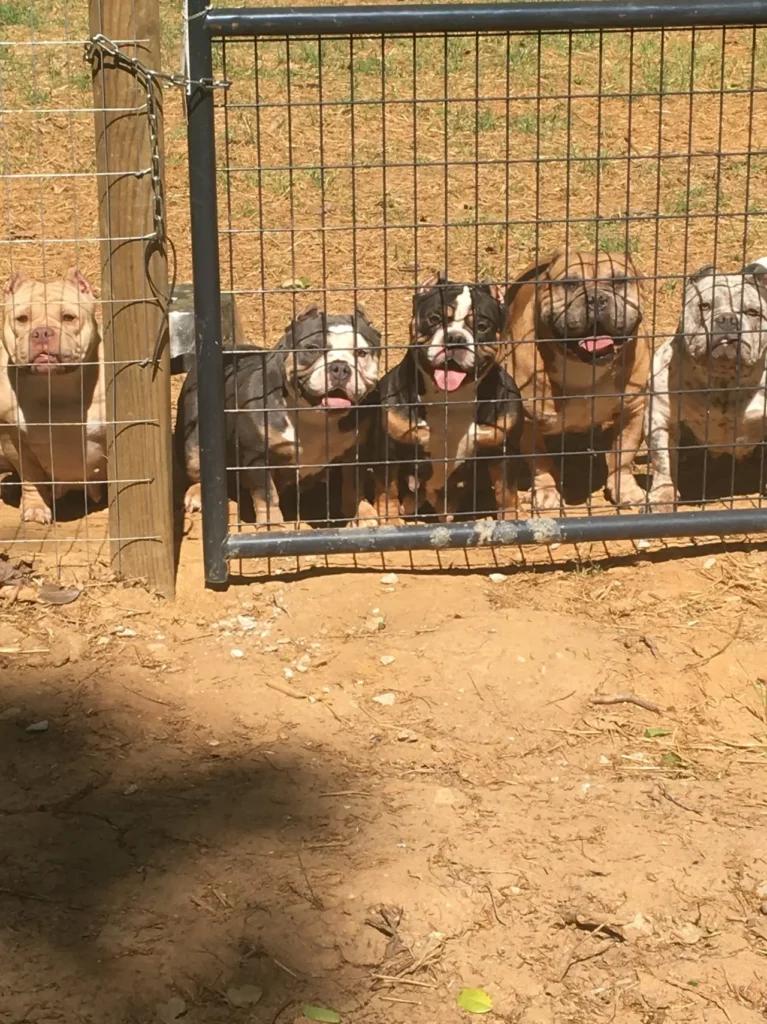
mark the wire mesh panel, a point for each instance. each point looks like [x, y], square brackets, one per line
[75, 330]
[476, 260]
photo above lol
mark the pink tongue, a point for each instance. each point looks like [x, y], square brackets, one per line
[600, 344]
[449, 380]
[334, 402]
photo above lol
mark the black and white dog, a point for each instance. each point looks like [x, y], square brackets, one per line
[710, 377]
[292, 411]
[447, 403]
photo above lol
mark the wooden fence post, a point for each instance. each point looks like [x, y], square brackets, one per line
[132, 275]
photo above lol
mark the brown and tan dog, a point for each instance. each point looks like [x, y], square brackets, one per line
[579, 363]
[52, 405]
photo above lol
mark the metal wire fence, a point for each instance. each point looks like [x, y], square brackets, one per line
[568, 185]
[79, 335]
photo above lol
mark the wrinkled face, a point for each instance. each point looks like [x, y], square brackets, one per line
[458, 328]
[725, 319]
[50, 327]
[594, 305]
[331, 361]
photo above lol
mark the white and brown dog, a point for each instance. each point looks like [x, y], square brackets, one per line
[710, 378]
[52, 405]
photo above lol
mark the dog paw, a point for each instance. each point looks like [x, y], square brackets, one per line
[663, 498]
[625, 493]
[193, 499]
[546, 499]
[36, 514]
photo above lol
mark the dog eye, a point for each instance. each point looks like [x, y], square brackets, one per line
[754, 312]
[483, 325]
[69, 318]
[435, 320]
[361, 353]
[705, 307]
[22, 318]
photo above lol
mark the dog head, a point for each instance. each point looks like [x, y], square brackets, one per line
[330, 360]
[50, 327]
[457, 328]
[725, 317]
[591, 303]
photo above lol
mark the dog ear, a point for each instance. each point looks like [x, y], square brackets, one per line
[706, 271]
[436, 277]
[538, 268]
[496, 291]
[80, 281]
[15, 281]
[304, 314]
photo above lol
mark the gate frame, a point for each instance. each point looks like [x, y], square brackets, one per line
[206, 24]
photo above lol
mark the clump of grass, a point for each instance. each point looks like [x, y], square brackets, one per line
[16, 12]
[613, 236]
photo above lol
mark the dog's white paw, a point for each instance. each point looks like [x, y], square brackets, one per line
[626, 492]
[664, 498]
[36, 514]
[193, 499]
[546, 499]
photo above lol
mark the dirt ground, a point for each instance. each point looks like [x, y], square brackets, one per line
[225, 797]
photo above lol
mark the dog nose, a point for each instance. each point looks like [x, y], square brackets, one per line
[41, 338]
[455, 339]
[598, 299]
[339, 373]
[727, 323]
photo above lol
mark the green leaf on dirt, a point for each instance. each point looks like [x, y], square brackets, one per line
[671, 760]
[652, 734]
[321, 1014]
[693, 984]
[475, 1000]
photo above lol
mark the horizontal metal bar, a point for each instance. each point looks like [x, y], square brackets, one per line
[489, 533]
[549, 15]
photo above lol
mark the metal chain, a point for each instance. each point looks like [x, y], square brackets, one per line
[98, 47]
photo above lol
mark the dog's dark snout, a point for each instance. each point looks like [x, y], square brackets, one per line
[597, 298]
[455, 339]
[41, 338]
[727, 323]
[339, 373]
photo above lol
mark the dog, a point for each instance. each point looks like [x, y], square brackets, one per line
[448, 402]
[711, 377]
[577, 357]
[52, 398]
[300, 404]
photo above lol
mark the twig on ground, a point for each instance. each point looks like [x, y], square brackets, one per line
[626, 698]
[394, 999]
[695, 992]
[392, 979]
[672, 799]
[497, 916]
[286, 689]
[720, 650]
[586, 956]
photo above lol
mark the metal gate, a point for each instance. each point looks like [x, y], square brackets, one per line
[370, 144]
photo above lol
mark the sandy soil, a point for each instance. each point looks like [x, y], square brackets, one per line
[193, 821]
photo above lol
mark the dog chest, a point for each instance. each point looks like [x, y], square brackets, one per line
[730, 419]
[320, 440]
[451, 433]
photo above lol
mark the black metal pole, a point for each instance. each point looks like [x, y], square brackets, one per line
[549, 15]
[207, 298]
[419, 537]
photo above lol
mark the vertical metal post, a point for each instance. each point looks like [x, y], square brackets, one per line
[207, 297]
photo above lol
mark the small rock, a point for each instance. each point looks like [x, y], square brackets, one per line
[761, 890]
[246, 623]
[386, 659]
[130, 790]
[603, 759]
[445, 797]
[288, 673]
[515, 890]
[214, 743]
[643, 545]
[375, 623]
[709, 563]
[125, 631]
[9, 713]
[389, 578]
[237, 653]
[38, 726]
[171, 1011]
[763, 908]
[243, 995]
[406, 736]
[387, 699]
[497, 577]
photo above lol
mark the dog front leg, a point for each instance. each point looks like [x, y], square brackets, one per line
[628, 424]
[266, 500]
[354, 505]
[663, 445]
[36, 492]
[545, 493]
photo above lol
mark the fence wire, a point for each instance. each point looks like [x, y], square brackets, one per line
[352, 168]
